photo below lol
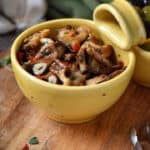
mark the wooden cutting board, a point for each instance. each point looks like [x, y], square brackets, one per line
[20, 120]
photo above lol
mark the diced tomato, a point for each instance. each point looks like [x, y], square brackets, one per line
[75, 46]
[121, 63]
[73, 34]
[32, 59]
[20, 56]
[39, 76]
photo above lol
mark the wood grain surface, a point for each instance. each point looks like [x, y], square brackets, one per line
[20, 120]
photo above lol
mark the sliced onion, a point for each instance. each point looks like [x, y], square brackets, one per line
[39, 68]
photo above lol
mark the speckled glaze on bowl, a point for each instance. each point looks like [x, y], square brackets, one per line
[71, 104]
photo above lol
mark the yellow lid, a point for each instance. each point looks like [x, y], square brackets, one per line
[120, 23]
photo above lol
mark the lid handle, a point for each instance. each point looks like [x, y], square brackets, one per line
[120, 23]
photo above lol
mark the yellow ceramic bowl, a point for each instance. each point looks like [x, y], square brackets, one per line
[71, 104]
[142, 67]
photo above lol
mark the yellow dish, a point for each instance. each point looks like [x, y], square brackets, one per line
[120, 22]
[71, 104]
[142, 71]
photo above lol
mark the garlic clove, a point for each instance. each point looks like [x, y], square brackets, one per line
[52, 79]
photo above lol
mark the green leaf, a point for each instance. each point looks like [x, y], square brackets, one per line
[105, 1]
[91, 4]
[5, 61]
[68, 8]
[53, 13]
[33, 140]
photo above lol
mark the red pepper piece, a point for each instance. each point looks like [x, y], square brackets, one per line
[75, 46]
[73, 34]
[39, 76]
[20, 56]
[26, 147]
[32, 59]
[121, 63]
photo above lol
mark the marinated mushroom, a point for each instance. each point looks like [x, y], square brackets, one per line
[46, 41]
[59, 68]
[81, 57]
[73, 56]
[33, 41]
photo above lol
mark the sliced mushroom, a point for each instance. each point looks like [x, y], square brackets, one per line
[97, 79]
[95, 40]
[107, 51]
[73, 66]
[73, 38]
[58, 65]
[45, 50]
[83, 29]
[32, 44]
[33, 41]
[50, 50]
[45, 33]
[39, 68]
[59, 68]
[69, 57]
[81, 58]
[48, 59]
[77, 78]
[46, 41]
[93, 66]
[65, 35]
[92, 49]
[83, 32]
[62, 76]
[105, 66]
[115, 73]
[60, 49]
[117, 66]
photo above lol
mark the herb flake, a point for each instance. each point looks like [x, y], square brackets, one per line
[34, 140]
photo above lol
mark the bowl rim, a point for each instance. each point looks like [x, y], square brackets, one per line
[126, 44]
[15, 62]
[142, 51]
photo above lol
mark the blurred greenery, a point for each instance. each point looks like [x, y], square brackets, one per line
[6, 60]
[72, 8]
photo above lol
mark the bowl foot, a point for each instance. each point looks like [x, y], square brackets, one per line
[67, 121]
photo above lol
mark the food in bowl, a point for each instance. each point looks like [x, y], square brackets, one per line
[73, 56]
[71, 104]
